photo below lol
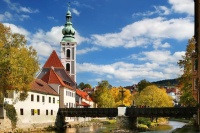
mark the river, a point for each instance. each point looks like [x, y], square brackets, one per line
[172, 125]
[106, 128]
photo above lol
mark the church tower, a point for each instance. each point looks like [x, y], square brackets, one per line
[68, 47]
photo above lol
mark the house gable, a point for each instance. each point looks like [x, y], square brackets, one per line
[54, 62]
[52, 78]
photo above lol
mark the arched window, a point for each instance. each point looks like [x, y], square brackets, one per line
[67, 67]
[68, 53]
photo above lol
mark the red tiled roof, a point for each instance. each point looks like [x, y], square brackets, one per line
[52, 78]
[54, 61]
[83, 94]
[171, 90]
[40, 86]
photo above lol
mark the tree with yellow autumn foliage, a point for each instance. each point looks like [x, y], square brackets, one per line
[18, 63]
[152, 96]
[116, 92]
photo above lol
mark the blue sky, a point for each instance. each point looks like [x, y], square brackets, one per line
[119, 41]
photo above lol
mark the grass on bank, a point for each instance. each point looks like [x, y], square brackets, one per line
[188, 128]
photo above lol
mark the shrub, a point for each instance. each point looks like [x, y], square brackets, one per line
[11, 114]
[144, 121]
[142, 127]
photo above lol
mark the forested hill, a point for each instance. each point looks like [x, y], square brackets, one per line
[167, 82]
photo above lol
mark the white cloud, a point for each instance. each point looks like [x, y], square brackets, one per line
[159, 10]
[23, 17]
[76, 12]
[28, 10]
[18, 8]
[162, 10]
[129, 72]
[50, 17]
[43, 48]
[86, 50]
[6, 16]
[158, 44]
[146, 31]
[156, 65]
[18, 29]
[161, 57]
[51, 39]
[183, 6]
[46, 42]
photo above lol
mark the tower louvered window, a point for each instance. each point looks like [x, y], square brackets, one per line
[68, 67]
[68, 54]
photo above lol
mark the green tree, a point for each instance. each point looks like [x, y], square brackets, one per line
[87, 86]
[101, 89]
[106, 100]
[18, 63]
[152, 96]
[104, 84]
[185, 79]
[143, 84]
[81, 85]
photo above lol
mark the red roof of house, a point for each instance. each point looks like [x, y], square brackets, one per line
[171, 90]
[52, 78]
[54, 61]
[40, 86]
[83, 94]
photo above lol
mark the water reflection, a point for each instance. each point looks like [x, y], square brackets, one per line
[172, 124]
[90, 129]
[106, 128]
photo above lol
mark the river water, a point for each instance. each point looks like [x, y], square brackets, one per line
[106, 128]
[172, 126]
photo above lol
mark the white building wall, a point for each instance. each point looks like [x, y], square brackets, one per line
[25, 108]
[91, 103]
[69, 98]
[69, 102]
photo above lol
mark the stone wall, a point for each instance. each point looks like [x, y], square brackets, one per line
[5, 125]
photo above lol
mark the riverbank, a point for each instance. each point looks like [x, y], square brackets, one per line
[188, 128]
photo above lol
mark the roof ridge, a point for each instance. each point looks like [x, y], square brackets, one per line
[54, 61]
